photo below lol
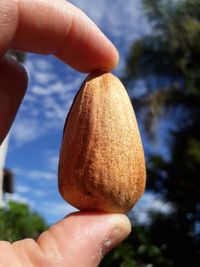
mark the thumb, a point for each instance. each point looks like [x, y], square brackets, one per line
[81, 239]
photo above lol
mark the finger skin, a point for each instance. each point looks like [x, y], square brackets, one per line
[81, 239]
[13, 84]
[55, 27]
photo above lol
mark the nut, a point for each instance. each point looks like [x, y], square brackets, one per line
[102, 165]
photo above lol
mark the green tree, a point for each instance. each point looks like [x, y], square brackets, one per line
[17, 221]
[167, 61]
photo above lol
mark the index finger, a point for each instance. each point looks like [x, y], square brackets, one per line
[55, 27]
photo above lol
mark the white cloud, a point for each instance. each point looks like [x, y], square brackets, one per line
[149, 202]
[39, 90]
[22, 189]
[37, 123]
[44, 77]
[43, 64]
[51, 106]
[44, 108]
[58, 87]
[17, 198]
[25, 130]
[35, 174]
[54, 88]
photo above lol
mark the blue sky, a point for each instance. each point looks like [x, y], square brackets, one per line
[36, 134]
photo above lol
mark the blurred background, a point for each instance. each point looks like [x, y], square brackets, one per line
[159, 47]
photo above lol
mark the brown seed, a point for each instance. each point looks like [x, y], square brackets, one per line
[102, 165]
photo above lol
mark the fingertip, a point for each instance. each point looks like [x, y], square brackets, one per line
[123, 222]
[102, 55]
[108, 54]
[93, 233]
[115, 58]
[87, 48]
[107, 230]
[121, 228]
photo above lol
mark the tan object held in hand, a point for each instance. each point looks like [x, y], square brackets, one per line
[102, 165]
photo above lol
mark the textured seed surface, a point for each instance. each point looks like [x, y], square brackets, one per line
[102, 164]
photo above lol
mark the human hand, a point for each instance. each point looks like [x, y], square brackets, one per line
[58, 28]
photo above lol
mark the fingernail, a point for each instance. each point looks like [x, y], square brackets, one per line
[121, 229]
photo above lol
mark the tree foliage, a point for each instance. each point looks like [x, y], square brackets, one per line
[167, 61]
[17, 221]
